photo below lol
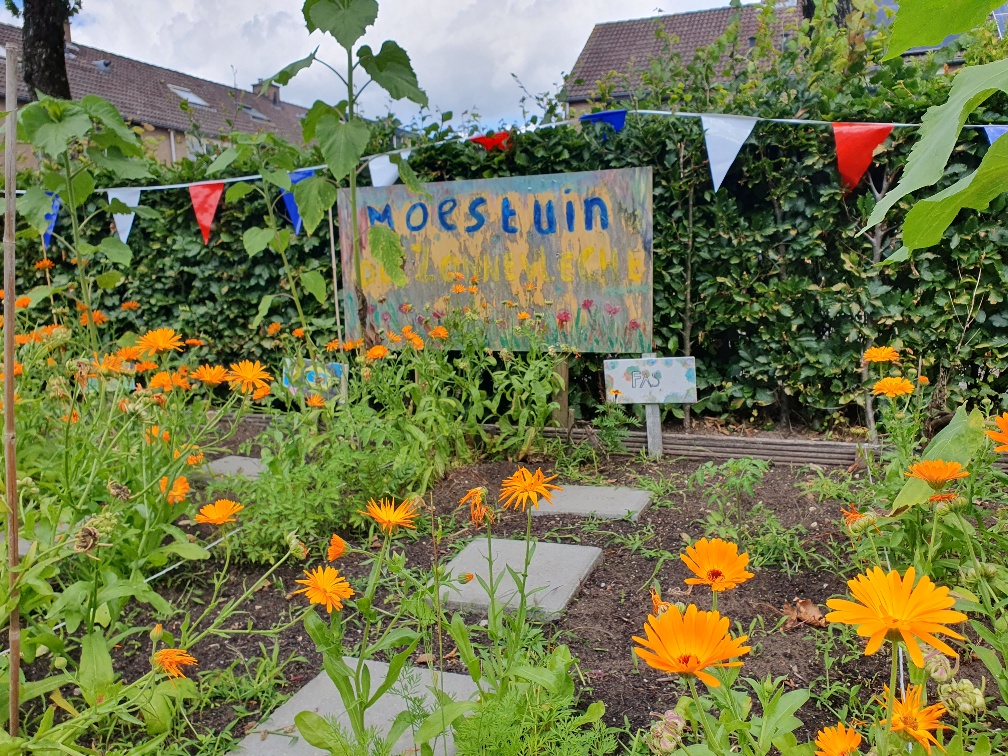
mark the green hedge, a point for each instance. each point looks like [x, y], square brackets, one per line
[784, 293]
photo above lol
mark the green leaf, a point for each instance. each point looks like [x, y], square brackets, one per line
[257, 239]
[120, 165]
[392, 71]
[264, 305]
[542, 677]
[387, 249]
[925, 23]
[116, 251]
[409, 177]
[95, 674]
[395, 668]
[314, 197]
[314, 284]
[342, 144]
[957, 442]
[440, 720]
[186, 550]
[288, 72]
[940, 130]
[310, 121]
[83, 185]
[53, 126]
[33, 206]
[317, 731]
[346, 20]
[928, 219]
[106, 114]
[238, 191]
[277, 178]
[109, 279]
[222, 161]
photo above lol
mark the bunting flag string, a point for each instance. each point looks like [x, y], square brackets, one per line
[725, 135]
[855, 147]
[124, 221]
[205, 198]
[51, 216]
[296, 177]
[383, 171]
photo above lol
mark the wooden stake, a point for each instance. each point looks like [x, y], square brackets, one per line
[652, 417]
[10, 461]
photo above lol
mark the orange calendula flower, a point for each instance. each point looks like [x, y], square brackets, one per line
[893, 387]
[248, 376]
[196, 458]
[273, 328]
[1000, 436]
[351, 344]
[171, 660]
[890, 607]
[456, 276]
[314, 400]
[128, 354]
[472, 289]
[658, 606]
[936, 473]
[178, 491]
[394, 338]
[524, 487]
[922, 380]
[96, 316]
[911, 720]
[466, 577]
[72, 418]
[326, 587]
[333, 346]
[389, 516]
[162, 380]
[195, 342]
[22, 302]
[690, 644]
[211, 375]
[523, 315]
[458, 289]
[439, 332]
[180, 381]
[145, 366]
[377, 352]
[851, 516]
[417, 342]
[479, 512]
[154, 433]
[160, 340]
[220, 512]
[880, 354]
[45, 264]
[837, 741]
[337, 548]
[109, 364]
[260, 394]
[717, 564]
[298, 333]
[130, 305]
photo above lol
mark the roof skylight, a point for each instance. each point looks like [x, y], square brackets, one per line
[254, 114]
[185, 94]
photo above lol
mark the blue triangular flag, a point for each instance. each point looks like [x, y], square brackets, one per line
[288, 197]
[51, 217]
[615, 118]
[994, 132]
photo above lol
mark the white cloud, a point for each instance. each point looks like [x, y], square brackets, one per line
[464, 51]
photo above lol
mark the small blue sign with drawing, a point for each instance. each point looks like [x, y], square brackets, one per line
[651, 380]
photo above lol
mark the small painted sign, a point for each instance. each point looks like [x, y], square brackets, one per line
[651, 380]
[325, 380]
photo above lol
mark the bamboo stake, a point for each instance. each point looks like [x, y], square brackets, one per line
[335, 283]
[10, 467]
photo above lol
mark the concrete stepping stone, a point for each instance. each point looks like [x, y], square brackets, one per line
[279, 735]
[605, 502]
[23, 545]
[559, 569]
[248, 467]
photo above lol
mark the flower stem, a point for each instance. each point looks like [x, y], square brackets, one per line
[890, 701]
[700, 711]
[714, 600]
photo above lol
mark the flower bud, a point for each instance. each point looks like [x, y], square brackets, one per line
[296, 546]
[466, 577]
[665, 735]
[157, 633]
[864, 522]
[937, 665]
[60, 663]
[962, 697]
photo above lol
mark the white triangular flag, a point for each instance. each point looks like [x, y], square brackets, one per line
[725, 135]
[124, 221]
[383, 171]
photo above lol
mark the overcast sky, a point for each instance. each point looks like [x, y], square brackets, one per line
[464, 51]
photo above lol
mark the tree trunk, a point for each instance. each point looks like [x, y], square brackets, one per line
[843, 9]
[43, 39]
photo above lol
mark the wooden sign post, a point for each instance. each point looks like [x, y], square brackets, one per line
[651, 381]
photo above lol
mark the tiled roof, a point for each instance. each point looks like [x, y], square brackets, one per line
[141, 93]
[627, 47]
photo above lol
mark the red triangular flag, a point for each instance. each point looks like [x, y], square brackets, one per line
[496, 141]
[855, 147]
[204, 201]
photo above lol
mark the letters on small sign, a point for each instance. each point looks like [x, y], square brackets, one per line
[651, 380]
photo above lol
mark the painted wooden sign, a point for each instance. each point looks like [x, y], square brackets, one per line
[565, 256]
[651, 380]
[326, 379]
